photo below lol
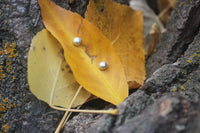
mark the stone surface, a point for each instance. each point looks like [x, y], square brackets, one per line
[168, 102]
[20, 111]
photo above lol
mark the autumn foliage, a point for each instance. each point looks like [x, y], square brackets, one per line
[56, 66]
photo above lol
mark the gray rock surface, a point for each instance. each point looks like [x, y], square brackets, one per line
[168, 102]
[20, 111]
[169, 99]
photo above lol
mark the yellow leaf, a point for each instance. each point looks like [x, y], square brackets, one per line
[123, 27]
[151, 23]
[49, 76]
[99, 5]
[84, 60]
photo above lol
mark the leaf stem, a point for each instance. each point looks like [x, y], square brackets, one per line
[62, 122]
[60, 126]
[113, 111]
[68, 118]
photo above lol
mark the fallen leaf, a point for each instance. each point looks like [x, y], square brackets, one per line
[152, 39]
[165, 8]
[49, 76]
[123, 27]
[84, 60]
[150, 18]
[99, 5]
[163, 4]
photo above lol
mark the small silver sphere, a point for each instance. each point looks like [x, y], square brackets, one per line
[77, 41]
[103, 65]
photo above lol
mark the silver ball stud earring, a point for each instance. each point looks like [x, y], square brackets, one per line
[77, 41]
[103, 65]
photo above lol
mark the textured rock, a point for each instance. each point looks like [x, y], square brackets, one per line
[19, 21]
[182, 27]
[168, 102]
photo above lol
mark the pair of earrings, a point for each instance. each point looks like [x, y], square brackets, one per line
[102, 65]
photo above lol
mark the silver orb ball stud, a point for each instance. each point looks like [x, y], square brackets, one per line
[77, 41]
[103, 65]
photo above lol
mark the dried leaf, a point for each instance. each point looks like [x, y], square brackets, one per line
[99, 5]
[165, 7]
[84, 60]
[152, 39]
[163, 4]
[49, 76]
[123, 27]
[150, 18]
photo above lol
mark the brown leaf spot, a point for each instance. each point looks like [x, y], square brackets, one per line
[90, 55]
[62, 51]
[66, 66]
[33, 48]
[70, 71]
